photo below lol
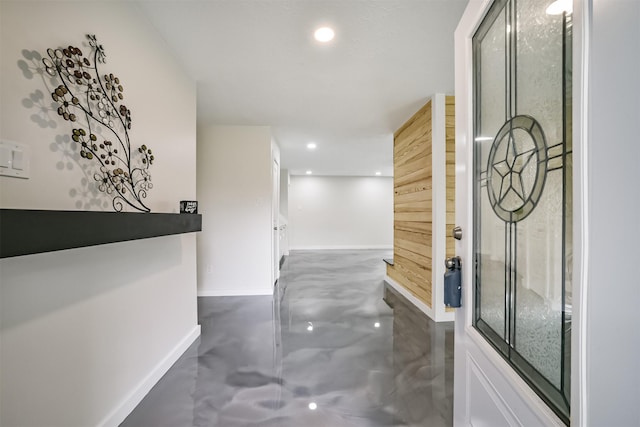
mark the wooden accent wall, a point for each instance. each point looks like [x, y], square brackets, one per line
[413, 250]
[450, 138]
[412, 242]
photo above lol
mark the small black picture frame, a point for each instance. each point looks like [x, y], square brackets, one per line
[189, 206]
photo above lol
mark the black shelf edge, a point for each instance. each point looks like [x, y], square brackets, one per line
[26, 232]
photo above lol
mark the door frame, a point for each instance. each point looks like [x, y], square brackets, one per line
[474, 356]
[275, 218]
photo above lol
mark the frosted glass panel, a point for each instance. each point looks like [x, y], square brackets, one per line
[491, 85]
[491, 273]
[539, 66]
[538, 300]
[492, 76]
[522, 192]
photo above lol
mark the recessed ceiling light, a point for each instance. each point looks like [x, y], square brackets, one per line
[378, 173]
[324, 34]
[311, 146]
[309, 172]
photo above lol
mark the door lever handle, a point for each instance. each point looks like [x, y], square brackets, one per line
[452, 262]
[456, 233]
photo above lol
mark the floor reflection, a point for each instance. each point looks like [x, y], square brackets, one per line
[326, 350]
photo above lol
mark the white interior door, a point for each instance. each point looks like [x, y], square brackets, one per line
[514, 203]
[275, 221]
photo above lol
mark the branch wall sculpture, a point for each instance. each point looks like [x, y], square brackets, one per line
[100, 123]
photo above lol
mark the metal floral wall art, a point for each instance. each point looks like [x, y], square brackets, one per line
[100, 122]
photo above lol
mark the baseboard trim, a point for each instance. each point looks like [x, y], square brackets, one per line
[234, 292]
[412, 299]
[118, 415]
[324, 248]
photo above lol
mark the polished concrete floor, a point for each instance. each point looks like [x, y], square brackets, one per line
[326, 351]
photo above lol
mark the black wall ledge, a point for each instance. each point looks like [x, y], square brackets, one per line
[26, 232]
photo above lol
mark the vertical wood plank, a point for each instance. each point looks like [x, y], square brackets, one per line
[450, 137]
[413, 181]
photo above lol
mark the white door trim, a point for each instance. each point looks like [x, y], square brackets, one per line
[275, 218]
[582, 18]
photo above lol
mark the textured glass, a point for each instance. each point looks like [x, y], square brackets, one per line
[491, 84]
[491, 272]
[522, 194]
[539, 66]
[492, 92]
[538, 308]
[538, 302]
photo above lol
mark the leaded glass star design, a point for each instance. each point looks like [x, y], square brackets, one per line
[516, 168]
[510, 170]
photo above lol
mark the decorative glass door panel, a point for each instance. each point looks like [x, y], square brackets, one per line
[522, 192]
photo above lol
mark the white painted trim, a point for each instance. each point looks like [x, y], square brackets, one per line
[582, 19]
[339, 248]
[438, 205]
[473, 367]
[275, 211]
[470, 22]
[415, 301]
[524, 391]
[241, 291]
[120, 412]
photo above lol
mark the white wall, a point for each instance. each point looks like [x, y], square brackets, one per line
[612, 393]
[340, 212]
[85, 333]
[234, 194]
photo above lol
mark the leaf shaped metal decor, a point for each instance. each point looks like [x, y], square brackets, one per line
[100, 123]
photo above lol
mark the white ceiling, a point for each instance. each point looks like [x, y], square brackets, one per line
[256, 63]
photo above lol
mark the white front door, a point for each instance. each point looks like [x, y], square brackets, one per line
[514, 202]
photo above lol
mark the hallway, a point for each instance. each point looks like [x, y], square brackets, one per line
[326, 351]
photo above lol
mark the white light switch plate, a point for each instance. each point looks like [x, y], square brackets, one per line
[5, 157]
[15, 159]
